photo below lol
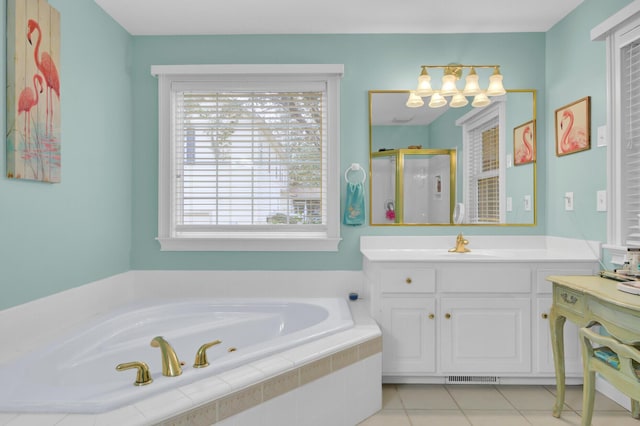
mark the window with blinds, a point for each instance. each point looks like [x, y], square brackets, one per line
[249, 157]
[630, 149]
[483, 190]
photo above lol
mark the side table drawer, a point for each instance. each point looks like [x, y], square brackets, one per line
[409, 280]
[569, 299]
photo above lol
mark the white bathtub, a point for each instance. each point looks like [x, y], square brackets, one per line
[77, 374]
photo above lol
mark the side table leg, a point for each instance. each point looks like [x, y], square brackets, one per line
[556, 324]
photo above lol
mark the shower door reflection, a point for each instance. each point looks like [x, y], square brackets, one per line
[413, 186]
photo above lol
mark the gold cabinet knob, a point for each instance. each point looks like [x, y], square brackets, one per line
[545, 315]
[447, 316]
[431, 316]
[408, 280]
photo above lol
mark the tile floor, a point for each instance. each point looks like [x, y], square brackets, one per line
[480, 405]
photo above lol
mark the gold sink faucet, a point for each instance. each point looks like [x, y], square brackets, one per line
[171, 365]
[461, 242]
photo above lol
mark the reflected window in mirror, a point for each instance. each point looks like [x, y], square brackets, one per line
[483, 147]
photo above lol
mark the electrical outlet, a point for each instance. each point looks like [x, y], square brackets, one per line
[601, 201]
[527, 203]
[568, 201]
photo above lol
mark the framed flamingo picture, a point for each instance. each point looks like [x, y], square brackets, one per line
[33, 91]
[573, 127]
[524, 143]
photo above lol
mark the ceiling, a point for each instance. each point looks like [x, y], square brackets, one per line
[200, 17]
[389, 109]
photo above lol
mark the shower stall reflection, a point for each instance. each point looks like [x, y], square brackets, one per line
[413, 186]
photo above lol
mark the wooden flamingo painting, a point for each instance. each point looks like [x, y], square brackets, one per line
[48, 68]
[33, 91]
[572, 127]
[28, 99]
[524, 143]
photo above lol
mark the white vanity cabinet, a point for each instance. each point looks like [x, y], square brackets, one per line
[408, 328]
[485, 335]
[461, 319]
[406, 314]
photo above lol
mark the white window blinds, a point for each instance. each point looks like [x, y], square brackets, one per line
[630, 149]
[250, 157]
[483, 191]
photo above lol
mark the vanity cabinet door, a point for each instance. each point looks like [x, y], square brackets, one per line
[408, 335]
[485, 336]
[543, 351]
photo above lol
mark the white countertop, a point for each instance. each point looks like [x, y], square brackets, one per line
[483, 249]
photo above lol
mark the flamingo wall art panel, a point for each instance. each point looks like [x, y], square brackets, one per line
[33, 91]
[524, 143]
[573, 127]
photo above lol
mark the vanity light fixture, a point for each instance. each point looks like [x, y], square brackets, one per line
[451, 74]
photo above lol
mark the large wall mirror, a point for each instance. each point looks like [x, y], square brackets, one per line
[446, 166]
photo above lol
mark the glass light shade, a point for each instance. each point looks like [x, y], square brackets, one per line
[437, 100]
[458, 100]
[495, 85]
[481, 100]
[424, 84]
[471, 88]
[448, 85]
[414, 100]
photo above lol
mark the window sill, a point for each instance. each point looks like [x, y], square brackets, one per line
[249, 243]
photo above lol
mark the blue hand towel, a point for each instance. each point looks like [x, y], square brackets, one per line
[354, 207]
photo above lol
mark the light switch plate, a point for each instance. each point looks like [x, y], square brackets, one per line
[527, 203]
[568, 201]
[602, 136]
[601, 201]
[509, 204]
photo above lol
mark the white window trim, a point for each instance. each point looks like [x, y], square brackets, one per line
[331, 73]
[617, 31]
[472, 120]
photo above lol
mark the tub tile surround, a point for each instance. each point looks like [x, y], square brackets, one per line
[260, 389]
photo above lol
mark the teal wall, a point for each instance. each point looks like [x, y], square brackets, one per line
[575, 68]
[57, 236]
[102, 218]
[381, 62]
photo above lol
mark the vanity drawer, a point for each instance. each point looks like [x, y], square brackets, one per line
[569, 299]
[408, 280]
[485, 279]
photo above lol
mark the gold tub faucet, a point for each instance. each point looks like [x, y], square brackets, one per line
[201, 356]
[171, 365]
[461, 242]
[143, 377]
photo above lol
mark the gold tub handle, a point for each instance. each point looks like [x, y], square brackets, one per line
[143, 377]
[201, 356]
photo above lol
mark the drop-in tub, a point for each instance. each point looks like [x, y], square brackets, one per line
[78, 375]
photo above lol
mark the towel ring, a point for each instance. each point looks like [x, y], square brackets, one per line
[355, 167]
